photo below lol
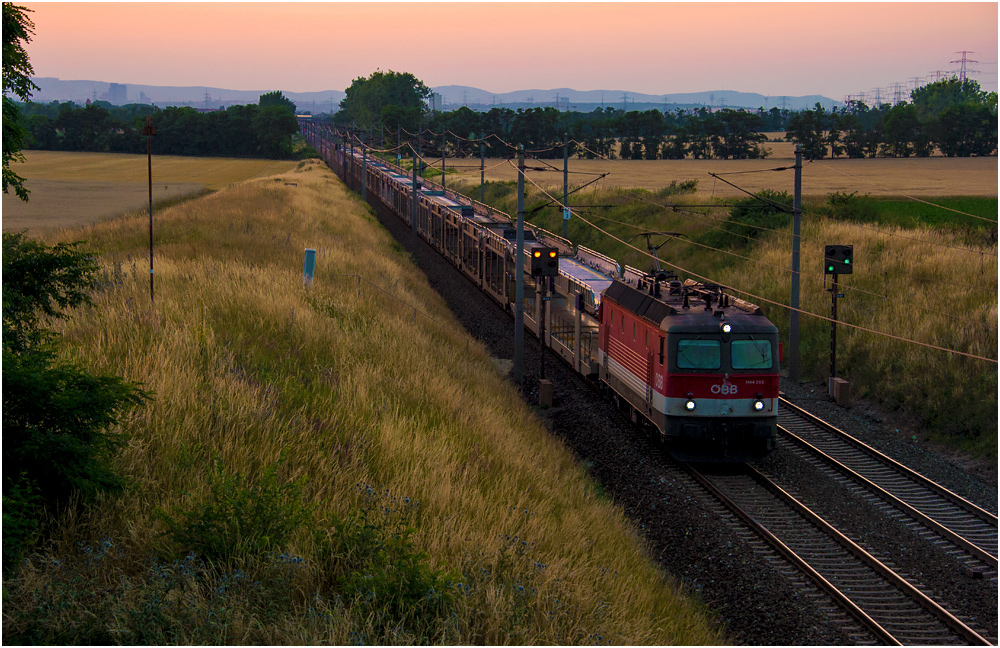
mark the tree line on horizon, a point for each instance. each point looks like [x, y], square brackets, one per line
[952, 116]
[263, 130]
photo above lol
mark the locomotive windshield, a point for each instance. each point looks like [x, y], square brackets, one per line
[699, 354]
[751, 354]
[714, 354]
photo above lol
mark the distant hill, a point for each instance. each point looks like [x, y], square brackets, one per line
[51, 89]
[587, 100]
[451, 97]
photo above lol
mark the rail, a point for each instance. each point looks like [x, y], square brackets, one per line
[911, 592]
[981, 524]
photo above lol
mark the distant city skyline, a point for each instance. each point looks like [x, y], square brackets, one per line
[776, 49]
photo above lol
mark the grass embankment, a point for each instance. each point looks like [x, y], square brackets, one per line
[275, 478]
[921, 273]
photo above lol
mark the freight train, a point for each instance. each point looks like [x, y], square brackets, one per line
[694, 365]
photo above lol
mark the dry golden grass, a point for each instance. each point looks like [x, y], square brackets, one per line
[247, 364]
[71, 189]
[932, 287]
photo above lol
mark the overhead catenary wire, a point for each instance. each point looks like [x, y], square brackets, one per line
[555, 168]
[733, 288]
[866, 227]
[432, 161]
[809, 275]
[764, 299]
[717, 176]
[787, 234]
[785, 168]
[571, 192]
[776, 205]
[781, 233]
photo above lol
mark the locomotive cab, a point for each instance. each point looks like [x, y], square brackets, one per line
[700, 367]
[722, 387]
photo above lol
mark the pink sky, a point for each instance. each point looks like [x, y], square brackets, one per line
[790, 48]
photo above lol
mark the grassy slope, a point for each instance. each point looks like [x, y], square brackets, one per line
[916, 277]
[246, 364]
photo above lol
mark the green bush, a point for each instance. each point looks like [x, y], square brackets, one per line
[677, 188]
[307, 152]
[21, 508]
[369, 557]
[239, 516]
[58, 418]
[184, 601]
[852, 207]
[750, 219]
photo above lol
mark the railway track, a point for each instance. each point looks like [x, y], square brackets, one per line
[893, 610]
[959, 527]
[896, 618]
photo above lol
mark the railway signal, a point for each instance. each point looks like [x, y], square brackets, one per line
[838, 259]
[545, 262]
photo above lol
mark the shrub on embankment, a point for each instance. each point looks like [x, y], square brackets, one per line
[320, 466]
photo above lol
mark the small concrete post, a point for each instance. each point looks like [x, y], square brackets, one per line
[309, 267]
[545, 392]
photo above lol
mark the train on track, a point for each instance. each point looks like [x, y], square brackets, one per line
[698, 367]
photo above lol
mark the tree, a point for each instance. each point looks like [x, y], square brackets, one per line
[274, 127]
[276, 98]
[932, 99]
[86, 129]
[957, 116]
[808, 129]
[903, 133]
[966, 129]
[17, 70]
[853, 132]
[735, 134]
[371, 100]
[56, 415]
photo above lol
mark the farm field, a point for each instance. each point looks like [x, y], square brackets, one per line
[69, 188]
[883, 177]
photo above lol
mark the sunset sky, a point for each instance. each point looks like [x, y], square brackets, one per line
[787, 48]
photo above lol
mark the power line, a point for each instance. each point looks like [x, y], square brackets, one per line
[757, 297]
[815, 277]
[764, 299]
[859, 225]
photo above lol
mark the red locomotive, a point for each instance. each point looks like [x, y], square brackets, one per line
[694, 363]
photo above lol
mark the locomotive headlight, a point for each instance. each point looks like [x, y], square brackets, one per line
[758, 405]
[727, 327]
[689, 404]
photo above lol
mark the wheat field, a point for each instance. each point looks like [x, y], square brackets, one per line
[883, 177]
[70, 189]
